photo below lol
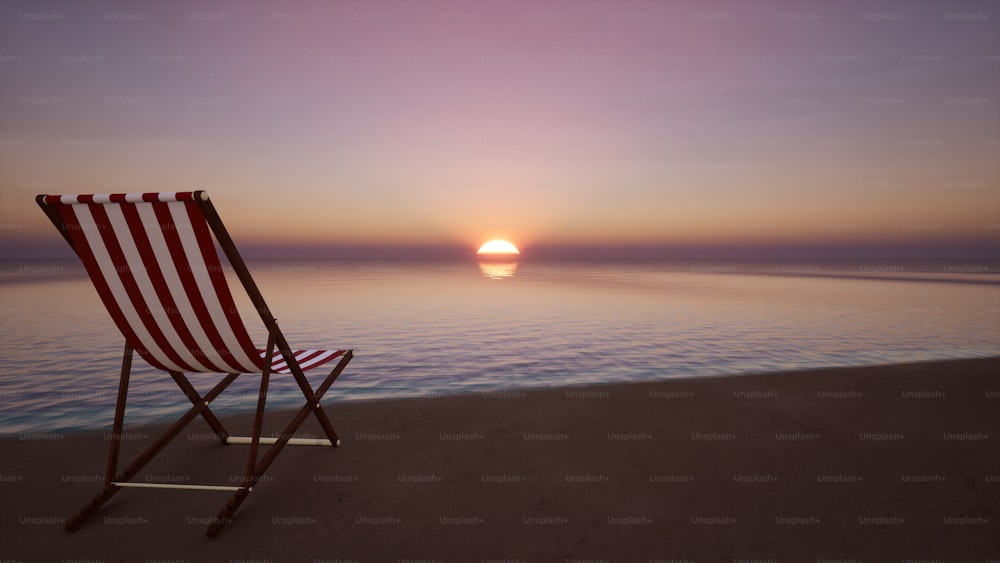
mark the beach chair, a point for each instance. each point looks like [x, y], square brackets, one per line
[153, 261]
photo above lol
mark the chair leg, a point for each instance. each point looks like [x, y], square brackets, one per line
[258, 420]
[74, 522]
[261, 466]
[251, 476]
[119, 423]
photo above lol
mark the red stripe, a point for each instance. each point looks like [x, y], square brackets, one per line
[124, 272]
[117, 198]
[155, 272]
[85, 198]
[205, 242]
[86, 254]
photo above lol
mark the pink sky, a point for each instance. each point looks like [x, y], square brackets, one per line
[558, 124]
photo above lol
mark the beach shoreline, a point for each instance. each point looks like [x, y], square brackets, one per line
[873, 463]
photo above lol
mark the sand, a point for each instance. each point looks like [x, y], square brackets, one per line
[888, 463]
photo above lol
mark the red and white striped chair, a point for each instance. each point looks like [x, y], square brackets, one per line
[153, 261]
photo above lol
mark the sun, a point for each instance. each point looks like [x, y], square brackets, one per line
[498, 246]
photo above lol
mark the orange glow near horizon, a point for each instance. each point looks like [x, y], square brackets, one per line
[498, 246]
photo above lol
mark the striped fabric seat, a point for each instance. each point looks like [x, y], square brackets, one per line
[154, 263]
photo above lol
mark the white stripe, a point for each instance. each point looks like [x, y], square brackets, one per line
[146, 289]
[89, 229]
[204, 282]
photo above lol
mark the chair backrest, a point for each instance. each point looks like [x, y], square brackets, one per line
[152, 259]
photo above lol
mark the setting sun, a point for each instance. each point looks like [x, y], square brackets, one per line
[498, 246]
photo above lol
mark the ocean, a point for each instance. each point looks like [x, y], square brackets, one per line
[422, 329]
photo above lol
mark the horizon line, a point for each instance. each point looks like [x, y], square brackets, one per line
[981, 250]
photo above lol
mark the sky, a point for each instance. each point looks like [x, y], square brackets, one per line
[569, 128]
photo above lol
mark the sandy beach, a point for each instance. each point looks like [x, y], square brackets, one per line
[888, 463]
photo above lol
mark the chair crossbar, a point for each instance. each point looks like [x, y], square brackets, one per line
[291, 441]
[176, 486]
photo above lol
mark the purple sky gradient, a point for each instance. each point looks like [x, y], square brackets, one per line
[336, 127]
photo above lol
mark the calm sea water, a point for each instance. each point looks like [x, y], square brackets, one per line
[422, 329]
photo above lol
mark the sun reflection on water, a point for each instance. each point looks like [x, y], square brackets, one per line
[498, 270]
